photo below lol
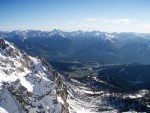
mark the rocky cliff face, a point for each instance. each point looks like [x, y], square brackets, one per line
[29, 84]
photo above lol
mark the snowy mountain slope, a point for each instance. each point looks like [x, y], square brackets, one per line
[85, 99]
[27, 84]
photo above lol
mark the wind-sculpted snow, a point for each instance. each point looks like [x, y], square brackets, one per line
[26, 85]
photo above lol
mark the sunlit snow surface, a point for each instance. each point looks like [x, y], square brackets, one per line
[23, 79]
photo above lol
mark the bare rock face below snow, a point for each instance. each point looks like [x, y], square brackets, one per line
[28, 84]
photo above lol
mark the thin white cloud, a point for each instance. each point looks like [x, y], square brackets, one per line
[109, 25]
[121, 21]
[116, 21]
[87, 24]
[90, 19]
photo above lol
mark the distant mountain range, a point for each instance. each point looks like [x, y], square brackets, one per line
[122, 48]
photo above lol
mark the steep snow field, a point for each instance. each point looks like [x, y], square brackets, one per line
[26, 85]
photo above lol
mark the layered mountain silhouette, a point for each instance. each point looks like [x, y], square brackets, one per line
[122, 48]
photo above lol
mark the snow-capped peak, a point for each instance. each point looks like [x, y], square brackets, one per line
[97, 34]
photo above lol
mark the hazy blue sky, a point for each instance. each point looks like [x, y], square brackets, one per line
[68, 15]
